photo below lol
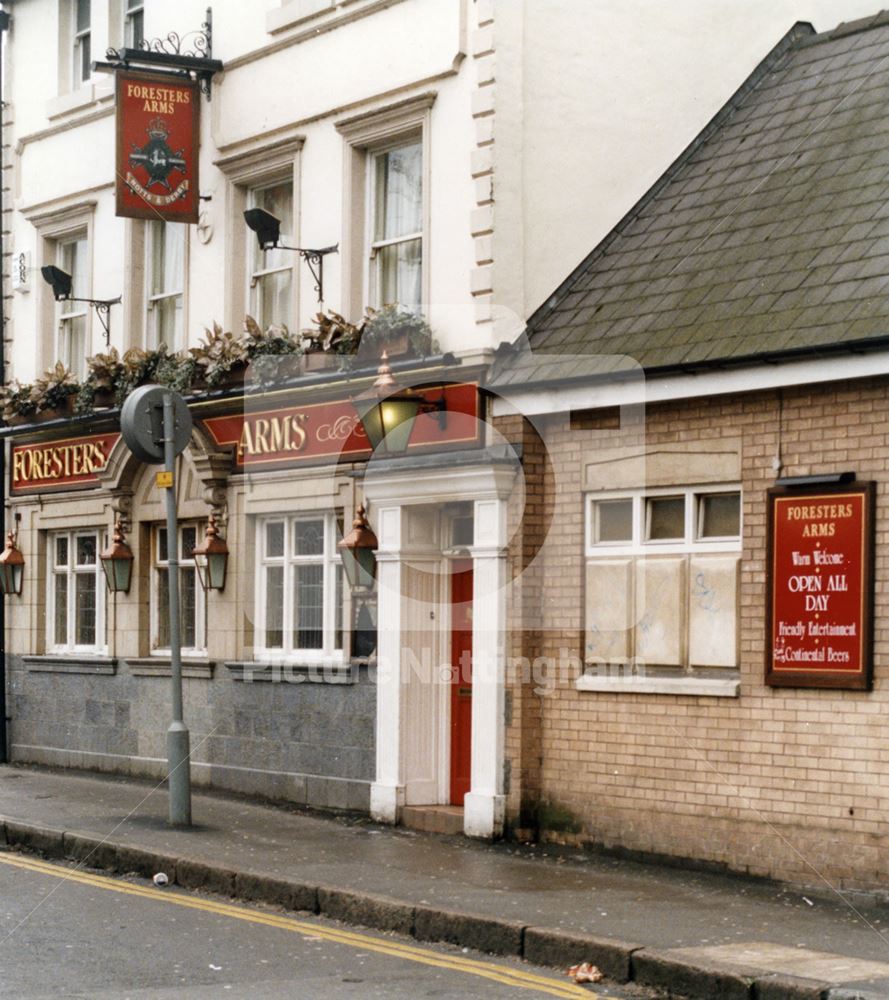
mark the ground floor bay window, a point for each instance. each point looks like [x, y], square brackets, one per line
[299, 589]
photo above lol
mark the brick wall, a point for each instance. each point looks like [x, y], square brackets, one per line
[789, 783]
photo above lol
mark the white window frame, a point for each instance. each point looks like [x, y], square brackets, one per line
[72, 571]
[364, 135]
[68, 312]
[78, 39]
[254, 277]
[330, 559]
[373, 276]
[639, 545]
[154, 299]
[159, 566]
[130, 9]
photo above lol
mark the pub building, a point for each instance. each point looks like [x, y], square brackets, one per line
[703, 408]
[617, 582]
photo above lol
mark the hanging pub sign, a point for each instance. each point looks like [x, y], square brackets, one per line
[158, 135]
[820, 587]
[315, 433]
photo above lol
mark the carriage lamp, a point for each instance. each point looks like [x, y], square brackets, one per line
[211, 558]
[117, 562]
[12, 566]
[387, 411]
[358, 548]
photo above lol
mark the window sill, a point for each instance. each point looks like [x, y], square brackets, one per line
[305, 13]
[77, 100]
[159, 666]
[708, 687]
[70, 663]
[250, 671]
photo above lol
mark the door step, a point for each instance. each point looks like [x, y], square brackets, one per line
[433, 819]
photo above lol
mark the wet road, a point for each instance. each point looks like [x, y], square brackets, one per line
[78, 934]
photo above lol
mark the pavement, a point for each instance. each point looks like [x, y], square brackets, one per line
[695, 934]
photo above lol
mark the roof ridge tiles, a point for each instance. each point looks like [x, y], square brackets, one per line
[846, 28]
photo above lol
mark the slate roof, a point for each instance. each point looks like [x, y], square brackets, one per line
[768, 236]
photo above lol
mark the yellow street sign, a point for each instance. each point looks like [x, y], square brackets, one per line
[163, 479]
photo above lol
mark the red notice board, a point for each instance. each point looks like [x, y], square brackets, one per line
[820, 587]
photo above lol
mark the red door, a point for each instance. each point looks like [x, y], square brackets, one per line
[461, 674]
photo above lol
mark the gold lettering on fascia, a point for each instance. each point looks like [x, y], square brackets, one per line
[83, 458]
[273, 435]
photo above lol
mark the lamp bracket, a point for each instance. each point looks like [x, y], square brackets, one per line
[314, 259]
[438, 407]
[103, 310]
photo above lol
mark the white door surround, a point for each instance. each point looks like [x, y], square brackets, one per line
[411, 723]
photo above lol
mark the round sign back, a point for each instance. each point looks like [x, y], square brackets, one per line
[142, 423]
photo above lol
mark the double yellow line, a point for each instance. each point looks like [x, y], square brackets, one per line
[503, 974]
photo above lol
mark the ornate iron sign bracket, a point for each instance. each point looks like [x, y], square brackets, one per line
[188, 55]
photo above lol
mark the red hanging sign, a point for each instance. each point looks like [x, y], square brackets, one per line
[820, 587]
[319, 432]
[158, 137]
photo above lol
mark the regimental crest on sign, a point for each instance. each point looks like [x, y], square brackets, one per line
[157, 147]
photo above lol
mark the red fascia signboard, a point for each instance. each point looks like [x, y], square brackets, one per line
[319, 432]
[158, 137]
[820, 587]
[71, 463]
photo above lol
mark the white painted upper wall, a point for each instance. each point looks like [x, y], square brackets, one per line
[593, 99]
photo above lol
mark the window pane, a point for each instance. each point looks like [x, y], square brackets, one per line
[162, 640]
[308, 607]
[338, 609]
[399, 270]
[83, 15]
[398, 193]
[274, 539]
[277, 200]
[72, 344]
[85, 61]
[166, 321]
[274, 607]
[188, 607]
[161, 544]
[189, 540]
[272, 298]
[167, 257]
[614, 521]
[308, 538]
[73, 260]
[86, 550]
[62, 551]
[85, 609]
[720, 515]
[666, 518]
[61, 610]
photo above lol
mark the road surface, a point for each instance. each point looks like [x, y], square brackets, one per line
[72, 933]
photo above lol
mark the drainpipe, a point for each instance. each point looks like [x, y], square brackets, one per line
[4, 742]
